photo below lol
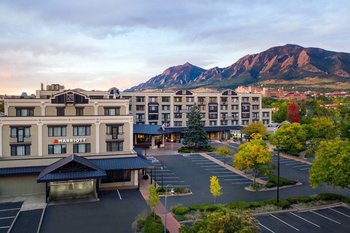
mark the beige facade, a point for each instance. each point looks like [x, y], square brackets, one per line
[226, 108]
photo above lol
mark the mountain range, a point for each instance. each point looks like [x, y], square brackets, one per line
[289, 66]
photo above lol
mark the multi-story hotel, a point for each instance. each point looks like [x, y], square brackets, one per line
[222, 112]
[68, 142]
[65, 142]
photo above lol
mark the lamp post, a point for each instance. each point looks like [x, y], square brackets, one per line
[165, 204]
[278, 174]
[162, 174]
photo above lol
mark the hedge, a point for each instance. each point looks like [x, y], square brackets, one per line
[272, 182]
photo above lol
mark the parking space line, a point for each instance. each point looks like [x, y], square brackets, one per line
[10, 209]
[5, 227]
[304, 169]
[266, 228]
[120, 197]
[301, 166]
[215, 169]
[284, 222]
[321, 215]
[245, 182]
[235, 179]
[304, 219]
[7, 217]
[211, 166]
[340, 212]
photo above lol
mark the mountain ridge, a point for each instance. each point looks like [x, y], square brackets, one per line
[287, 65]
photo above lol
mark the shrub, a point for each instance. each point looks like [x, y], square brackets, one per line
[238, 205]
[299, 199]
[153, 225]
[284, 204]
[203, 207]
[182, 190]
[329, 197]
[272, 182]
[160, 189]
[181, 210]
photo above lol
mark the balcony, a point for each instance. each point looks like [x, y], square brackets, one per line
[119, 136]
[25, 140]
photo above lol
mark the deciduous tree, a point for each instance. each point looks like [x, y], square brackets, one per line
[293, 113]
[253, 156]
[195, 135]
[332, 164]
[153, 198]
[215, 188]
[290, 138]
[225, 152]
[255, 128]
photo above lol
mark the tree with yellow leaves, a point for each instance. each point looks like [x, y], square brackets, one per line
[253, 156]
[215, 187]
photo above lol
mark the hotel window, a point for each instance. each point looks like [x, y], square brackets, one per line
[235, 115]
[245, 99]
[224, 122]
[255, 99]
[140, 117]
[177, 123]
[255, 107]
[153, 108]
[178, 115]
[177, 99]
[213, 108]
[235, 99]
[57, 131]
[165, 107]
[188, 107]
[57, 149]
[82, 148]
[212, 99]
[82, 130]
[117, 176]
[114, 146]
[140, 107]
[114, 130]
[224, 115]
[201, 99]
[266, 122]
[202, 115]
[166, 116]
[245, 122]
[266, 114]
[60, 111]
[19, 150]
[255, 115]
[166, 99]
[189, 99]
[140, 99]
[152, 99]
[20, 133]
[24, 112]
[114, 111]
[223, 99]
[223, 107]
[245, 108]
[234, 107]
[153, 123]
[245, 115]
[212, 123]
[79, 111]
[202, 107]
[177, 108]
[234, 122]
[213, 115]
[153, 117]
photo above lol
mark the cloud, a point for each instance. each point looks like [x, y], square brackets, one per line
[122, 43]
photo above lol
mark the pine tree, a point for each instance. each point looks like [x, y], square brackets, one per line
[195, 135]
[215, 187]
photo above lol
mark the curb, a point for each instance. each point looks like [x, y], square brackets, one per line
[274, 188]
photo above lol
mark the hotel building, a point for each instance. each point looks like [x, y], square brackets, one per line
[222, 112]
[67, 142]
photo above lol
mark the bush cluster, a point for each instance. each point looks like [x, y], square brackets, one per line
[153, 225]
[185, 149]
[272, 182]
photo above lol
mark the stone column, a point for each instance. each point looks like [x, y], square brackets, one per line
[131, 134]
[136, 177]
[171, 111]
[163, 141]
[40, 139]
[97, 138]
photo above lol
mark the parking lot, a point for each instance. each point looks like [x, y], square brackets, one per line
[332, 219]
[300, 166]
[214, 169]
[27, 221]
[164, 176]
[8, 213]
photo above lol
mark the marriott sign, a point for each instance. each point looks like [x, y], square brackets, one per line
[69, 140]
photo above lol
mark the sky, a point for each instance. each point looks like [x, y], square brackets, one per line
[113, 43]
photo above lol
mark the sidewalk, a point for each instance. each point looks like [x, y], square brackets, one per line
[172, 224]
[170, 148]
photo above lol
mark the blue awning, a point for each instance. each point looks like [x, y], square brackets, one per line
[72, 176]
[21, 170]
[149, 129]
[132, 163]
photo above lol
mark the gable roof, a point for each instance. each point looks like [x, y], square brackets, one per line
[91, 171]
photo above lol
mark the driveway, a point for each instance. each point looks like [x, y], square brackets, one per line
[109, 215]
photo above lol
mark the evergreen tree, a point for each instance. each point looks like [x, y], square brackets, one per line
[195, 135]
